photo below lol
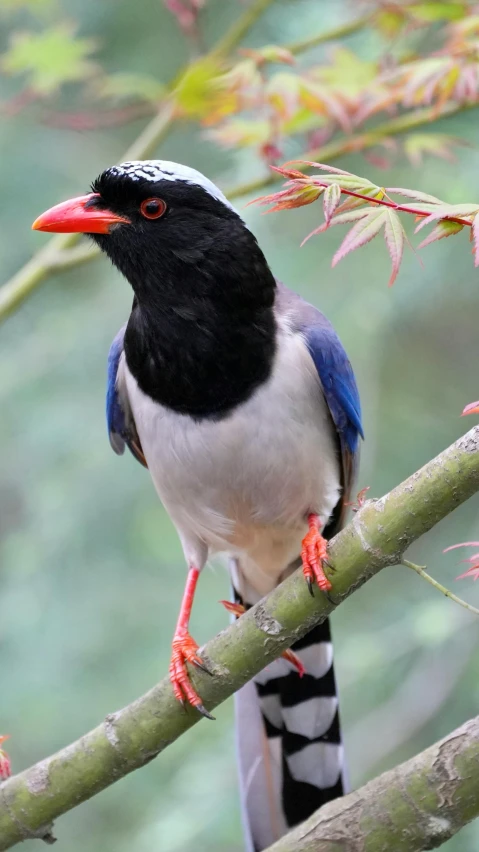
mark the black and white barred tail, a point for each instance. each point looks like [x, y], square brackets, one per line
[289, 747]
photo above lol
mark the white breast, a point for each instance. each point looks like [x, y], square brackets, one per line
[245, 484]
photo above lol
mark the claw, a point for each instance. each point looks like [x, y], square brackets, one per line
[184, 649]
[314, 557]
[293, 658]
[200, 665]
[202, 709]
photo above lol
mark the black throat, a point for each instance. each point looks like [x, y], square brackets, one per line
[201, 337]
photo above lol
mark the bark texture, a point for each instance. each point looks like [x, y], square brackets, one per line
[418, 805]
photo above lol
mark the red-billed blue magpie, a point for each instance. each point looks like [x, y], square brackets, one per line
[239, 398]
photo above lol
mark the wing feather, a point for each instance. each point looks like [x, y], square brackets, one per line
[119, 417]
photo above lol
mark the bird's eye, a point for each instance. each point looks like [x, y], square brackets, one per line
[152, 208]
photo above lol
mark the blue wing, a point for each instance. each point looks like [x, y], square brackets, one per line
[337, 380]
[339, 384]
[342, 397]
[119, 418]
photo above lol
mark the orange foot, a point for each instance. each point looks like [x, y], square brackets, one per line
[238, 609]
[314, 554]
[184, 649]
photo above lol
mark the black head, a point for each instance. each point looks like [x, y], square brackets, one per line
[204, 293]
[177, 218]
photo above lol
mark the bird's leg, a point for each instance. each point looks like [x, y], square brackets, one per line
[314, 556]
[238, 609]
[184, 649]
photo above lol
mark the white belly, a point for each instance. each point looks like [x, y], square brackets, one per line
[245, 484]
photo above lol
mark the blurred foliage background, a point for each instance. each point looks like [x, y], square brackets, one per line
[91, 570]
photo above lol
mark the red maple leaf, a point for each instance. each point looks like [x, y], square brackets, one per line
[473, 570]
[472, 408]
[5, 765]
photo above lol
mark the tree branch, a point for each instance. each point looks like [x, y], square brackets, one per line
[377, 536]
[335, 33]
[418, 805]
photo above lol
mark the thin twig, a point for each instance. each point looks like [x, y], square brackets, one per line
[420, 569]
[335, 33]
[241, 28]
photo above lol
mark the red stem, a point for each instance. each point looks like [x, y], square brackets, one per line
[402, 208]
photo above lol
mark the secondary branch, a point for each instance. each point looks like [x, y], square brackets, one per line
[417, 805]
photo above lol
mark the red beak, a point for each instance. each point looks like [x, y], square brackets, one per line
[78, 216]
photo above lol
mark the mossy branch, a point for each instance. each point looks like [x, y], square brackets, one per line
[418, 805]
[377, 536]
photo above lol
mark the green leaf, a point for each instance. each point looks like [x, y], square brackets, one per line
[436, 144]
[241, 133]
[394, 236]
[49, 58]
[303, 121]
[332, 197]
[475, 239]
[120, 87]
[199, 91]
[362, 232]
[445, 228]
[413, 193]
[431, 12]
[449, 211]
[347, 74]
[339, 219]
[282, 92]
[318, 97]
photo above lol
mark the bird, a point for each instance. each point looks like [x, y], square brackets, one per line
[238, 397]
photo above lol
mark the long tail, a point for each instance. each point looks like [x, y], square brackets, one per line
[290, 754]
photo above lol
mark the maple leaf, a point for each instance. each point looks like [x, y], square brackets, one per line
[473, 570]
[416, 145]
[348, 74]
[49, 58]
[370, 210]
[241, 133]
[5, 764]
[120, 86]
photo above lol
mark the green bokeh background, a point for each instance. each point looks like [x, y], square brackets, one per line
[91, 570]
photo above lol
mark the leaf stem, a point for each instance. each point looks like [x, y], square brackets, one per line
[420, 569]
[333, 34]
[241, 28]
